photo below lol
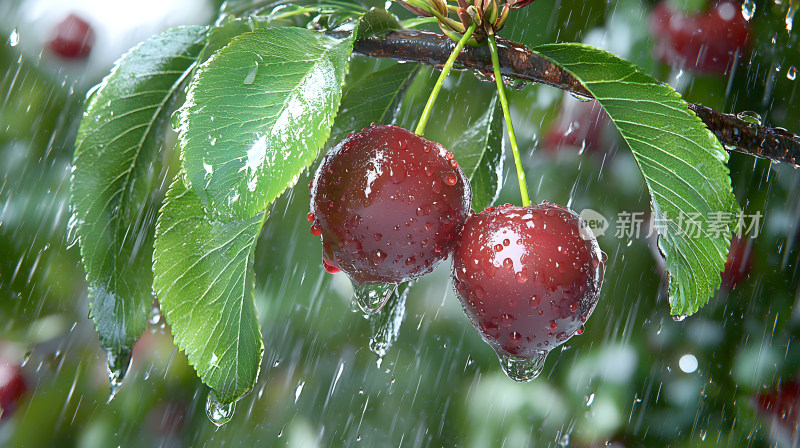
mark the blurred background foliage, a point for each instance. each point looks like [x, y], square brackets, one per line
[621, 383]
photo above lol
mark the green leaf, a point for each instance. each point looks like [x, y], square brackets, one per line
[479, 152]
[114, 185]
[256, 114]
[683, 164]
[376, 21]
[372, 99]
[204, 281]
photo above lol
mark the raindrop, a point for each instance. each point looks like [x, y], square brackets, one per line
[25, 358]
[564, 441]
[749, 116]
[118, 365]
[251, 76]
[523, 369]
[790, 18]
[680, 318]
[371, 296]
[748, 9]
[175, 120]
[791, 74]
[219, 413]
[13, 38]
[589, 399]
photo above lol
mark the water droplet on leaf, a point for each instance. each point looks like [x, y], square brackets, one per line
[219, 413]
[749, 117]
[251, 75]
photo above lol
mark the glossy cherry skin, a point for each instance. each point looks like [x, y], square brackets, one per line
[12, 386]
[388, 205]
[73, 38]
[705, 42]
[527, 278]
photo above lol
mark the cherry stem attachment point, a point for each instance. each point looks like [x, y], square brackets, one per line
[426, 113]
[501, 91]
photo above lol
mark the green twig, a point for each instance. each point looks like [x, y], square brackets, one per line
[426, 114]
[523, 188]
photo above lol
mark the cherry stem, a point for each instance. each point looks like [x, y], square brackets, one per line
[501, 91]
[426, 114]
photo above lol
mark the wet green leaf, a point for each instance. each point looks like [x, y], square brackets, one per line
[204, 281]
[479, 152]
[376, 21]
[256, 114]
[117, 172]
[372, 99]
[683, 164]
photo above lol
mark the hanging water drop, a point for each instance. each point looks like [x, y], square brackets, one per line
[385, 324]
[251, 76]
[748, 9]
[155, 316]
[679, 318]
[791, 74]
[13, 38]
[371, 296]
[749, 116]
[219, 413]
[118, 364]
[523, 369]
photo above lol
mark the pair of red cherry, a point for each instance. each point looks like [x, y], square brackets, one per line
[390, 205]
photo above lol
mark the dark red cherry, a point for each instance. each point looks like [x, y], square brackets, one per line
[528, 278]
[388, 205]
[739, 262]
[781, 407]
[73, 38]
[705, 42]
[12, 386]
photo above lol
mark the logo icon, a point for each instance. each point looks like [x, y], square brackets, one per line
[595, 221]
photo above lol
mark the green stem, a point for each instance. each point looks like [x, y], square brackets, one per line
[426, 114]
[501, 91]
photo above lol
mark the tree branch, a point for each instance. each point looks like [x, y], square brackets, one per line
[517, 61]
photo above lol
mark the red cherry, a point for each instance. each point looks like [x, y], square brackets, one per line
[12, 386]
[580, 124]
[73, 38]
[388, 205]
[536, 291]
[705, 42]
[781, 406]
[739, 262]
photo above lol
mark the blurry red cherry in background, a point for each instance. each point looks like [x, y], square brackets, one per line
[704, 42]
[12, 386]
[72, 38]
[580, 126]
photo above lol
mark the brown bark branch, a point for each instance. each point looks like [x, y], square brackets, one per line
[517, 61]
